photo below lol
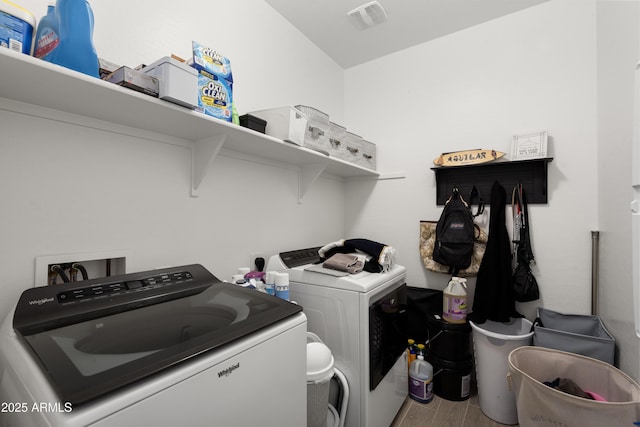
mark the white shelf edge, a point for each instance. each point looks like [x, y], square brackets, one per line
[74, 98]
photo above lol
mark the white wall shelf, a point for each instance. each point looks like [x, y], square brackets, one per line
[32, 81]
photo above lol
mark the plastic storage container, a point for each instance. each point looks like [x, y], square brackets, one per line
[337, 135]
[352, 149]
[285, 123]
[493, 341]
[76, 50]
[316, 136]
[411, 352]
[454, 301]
[319, 373]
[575, 333]
[177, 82]
[282, 286]
[541, 405]
[421, 380]
[17, 25]
[47, 38]
[448, 341]
[452, 380]
[252, 122]
[367, 158]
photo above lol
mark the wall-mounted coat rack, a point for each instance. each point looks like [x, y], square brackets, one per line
[532, 174]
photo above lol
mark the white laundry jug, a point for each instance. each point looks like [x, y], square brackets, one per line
[454, 301]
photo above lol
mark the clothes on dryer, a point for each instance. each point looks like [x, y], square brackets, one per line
[349, 263]
[382, 256]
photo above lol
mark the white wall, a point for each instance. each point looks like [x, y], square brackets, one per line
[525, 72]
[69, 189]
[618, 32]
[547, 67]
[565, 66]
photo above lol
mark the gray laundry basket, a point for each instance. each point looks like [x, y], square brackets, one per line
[542, 406]
[581, 334]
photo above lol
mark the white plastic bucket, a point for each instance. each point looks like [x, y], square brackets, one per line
[319, 373]
[492, 343]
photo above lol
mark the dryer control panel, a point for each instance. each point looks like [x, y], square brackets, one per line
[300, 257]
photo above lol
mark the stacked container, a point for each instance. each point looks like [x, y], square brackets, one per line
[316, 135]
[311, 128]
[450, 344]
[337, 135]
[449, 352]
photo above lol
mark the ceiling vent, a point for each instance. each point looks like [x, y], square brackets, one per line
[367, 15]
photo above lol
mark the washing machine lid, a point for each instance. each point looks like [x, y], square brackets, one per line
[95, 336]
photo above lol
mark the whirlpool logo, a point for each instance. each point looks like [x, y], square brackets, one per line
[228, 371]
[40, 301]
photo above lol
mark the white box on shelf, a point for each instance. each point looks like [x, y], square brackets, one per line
[178, 82]
[285, 123]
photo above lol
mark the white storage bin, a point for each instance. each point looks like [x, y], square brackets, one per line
[492, 343]
[316, 136]
[352, 149]
[337, 136]
[178, 83]
[367, 157]
[319, 374]
[285, 123]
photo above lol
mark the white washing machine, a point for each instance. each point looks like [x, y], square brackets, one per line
[362, 319]
[167, 347]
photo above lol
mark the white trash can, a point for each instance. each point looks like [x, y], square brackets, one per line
[492, 343]
[319, 373]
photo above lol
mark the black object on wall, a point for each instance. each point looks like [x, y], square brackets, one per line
[532, 174]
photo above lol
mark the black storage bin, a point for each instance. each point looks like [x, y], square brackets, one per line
[451, 380]
[253, 123]
[448, 341]
[421, 303]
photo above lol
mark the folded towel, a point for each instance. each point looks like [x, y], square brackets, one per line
[350, 263]
[383, 257]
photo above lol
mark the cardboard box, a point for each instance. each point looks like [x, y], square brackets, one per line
[106, 68]
[132, 79]
[178, 83]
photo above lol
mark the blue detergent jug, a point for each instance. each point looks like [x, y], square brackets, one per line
[47, 35]
[76, 50]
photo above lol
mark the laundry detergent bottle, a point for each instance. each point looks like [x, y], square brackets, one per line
[75, 25]
[47, 38]
[421, 380]
[454, 301]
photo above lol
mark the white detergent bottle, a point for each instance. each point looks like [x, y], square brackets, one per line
[421, 380]
[454, 301]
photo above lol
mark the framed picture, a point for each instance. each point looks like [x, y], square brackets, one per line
[529, 146]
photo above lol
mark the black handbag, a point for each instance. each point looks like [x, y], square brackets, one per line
[525, 286]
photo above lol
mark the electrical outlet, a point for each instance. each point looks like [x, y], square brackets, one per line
[252, 260]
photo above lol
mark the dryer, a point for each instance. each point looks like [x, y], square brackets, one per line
[362, 318]
[165, 347]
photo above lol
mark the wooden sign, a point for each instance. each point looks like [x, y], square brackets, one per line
[467, 157]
